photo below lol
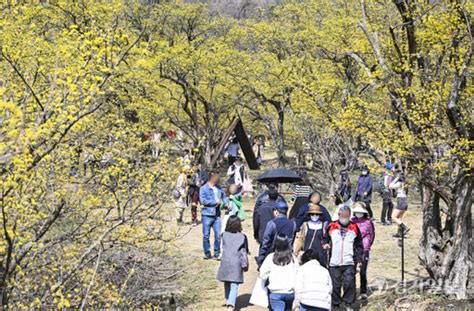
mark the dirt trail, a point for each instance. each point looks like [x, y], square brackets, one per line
[213, 297]
[384, 267]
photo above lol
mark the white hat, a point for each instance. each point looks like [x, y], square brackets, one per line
[358, 208]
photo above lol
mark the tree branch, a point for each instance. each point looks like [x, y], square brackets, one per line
[38, 102]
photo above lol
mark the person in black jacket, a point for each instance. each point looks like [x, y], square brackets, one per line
[363, 191]
[344, 191]
[314, 198]
[279, 225]
[263, 197]
[263, 215]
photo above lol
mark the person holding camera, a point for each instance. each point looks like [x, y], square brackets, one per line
[398, 184]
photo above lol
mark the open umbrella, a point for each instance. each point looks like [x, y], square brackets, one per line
[279, 175]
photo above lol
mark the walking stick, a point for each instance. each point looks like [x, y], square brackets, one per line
[401, 243]
[403, 258]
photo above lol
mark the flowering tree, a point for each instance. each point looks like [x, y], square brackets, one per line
[406, 91]
[62, 64]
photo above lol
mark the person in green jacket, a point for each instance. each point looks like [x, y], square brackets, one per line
[234, 206]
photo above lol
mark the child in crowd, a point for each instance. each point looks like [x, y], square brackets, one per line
[234, 205]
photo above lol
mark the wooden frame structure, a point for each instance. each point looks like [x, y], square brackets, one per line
[237, 127]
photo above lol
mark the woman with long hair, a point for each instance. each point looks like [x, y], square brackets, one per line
[280, 268]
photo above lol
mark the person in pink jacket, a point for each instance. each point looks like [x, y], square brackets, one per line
[367, 229]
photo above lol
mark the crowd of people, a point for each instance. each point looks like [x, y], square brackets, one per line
[307, 258]
[324, 252]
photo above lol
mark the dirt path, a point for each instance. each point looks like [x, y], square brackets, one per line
[212, 295]
[245, 290]
[384, 267]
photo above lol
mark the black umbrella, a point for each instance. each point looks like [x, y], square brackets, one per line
[279, 175]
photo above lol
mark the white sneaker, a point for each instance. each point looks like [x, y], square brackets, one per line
[363, 296]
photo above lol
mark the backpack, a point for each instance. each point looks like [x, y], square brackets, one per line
[378, 186]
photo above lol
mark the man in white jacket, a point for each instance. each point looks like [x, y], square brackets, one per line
[313, 284]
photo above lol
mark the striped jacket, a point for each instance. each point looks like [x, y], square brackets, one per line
[346, 244]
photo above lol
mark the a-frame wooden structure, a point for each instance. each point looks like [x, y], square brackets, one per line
[237, 128]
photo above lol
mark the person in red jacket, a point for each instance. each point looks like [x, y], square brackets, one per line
[344, 239]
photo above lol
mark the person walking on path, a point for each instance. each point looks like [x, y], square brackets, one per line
[181, 197]
[155, 144]
[311, 234]
[263, 215]
[313, 287]
[314, 198]
[363, 191]
[387, 204]
[263, 197]
[199, 178]
[232, 150]
[186, 159]
[302, 192]
[211, 197]
[367, 230]
[278, 225]
[280, 269]
[343, 192]
[344, 240]
[234, 205]
[398, 184]
[257, 148]
[236, 173]
[234, 242]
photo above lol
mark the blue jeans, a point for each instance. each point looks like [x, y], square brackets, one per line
[309, 308]
[281, 301]
[213, 222]
[230, 292]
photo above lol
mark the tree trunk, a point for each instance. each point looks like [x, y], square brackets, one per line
[207, 154]
[446, 252]
[3, 291]
[280, 139]
[277, 134]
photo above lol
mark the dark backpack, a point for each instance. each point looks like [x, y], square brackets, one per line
[378, 186]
